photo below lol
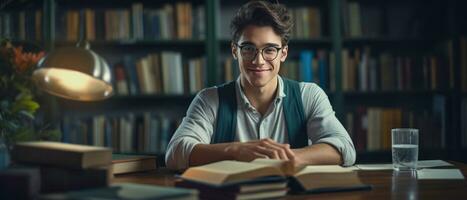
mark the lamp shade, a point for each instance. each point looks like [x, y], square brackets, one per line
[75, 73]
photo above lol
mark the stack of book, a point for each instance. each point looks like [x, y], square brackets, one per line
[266, 179]
[261, 188]
[65, 167]
[70, 171]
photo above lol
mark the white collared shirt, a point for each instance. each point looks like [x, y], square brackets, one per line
[199, 124]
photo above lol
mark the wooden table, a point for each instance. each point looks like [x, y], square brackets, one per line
[387, 184]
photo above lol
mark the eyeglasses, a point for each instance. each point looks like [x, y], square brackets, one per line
[249, 52]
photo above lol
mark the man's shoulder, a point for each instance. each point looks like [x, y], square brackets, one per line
[306, 87]
[208, 93]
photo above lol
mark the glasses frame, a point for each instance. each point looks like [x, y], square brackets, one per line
[258, 50]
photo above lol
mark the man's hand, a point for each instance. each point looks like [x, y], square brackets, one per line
[264, 148]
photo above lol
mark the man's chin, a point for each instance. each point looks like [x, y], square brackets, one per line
[259, 83]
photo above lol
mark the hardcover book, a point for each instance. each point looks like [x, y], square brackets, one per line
[61, 154]
[122, 163]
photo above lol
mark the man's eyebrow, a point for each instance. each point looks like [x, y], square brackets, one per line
[267, 44]
[272, 44]
[246, 43]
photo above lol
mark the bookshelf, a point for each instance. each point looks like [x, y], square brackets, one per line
[427, 38]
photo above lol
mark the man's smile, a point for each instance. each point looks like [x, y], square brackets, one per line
[259, 69]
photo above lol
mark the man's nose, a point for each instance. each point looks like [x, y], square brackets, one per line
[258, 60]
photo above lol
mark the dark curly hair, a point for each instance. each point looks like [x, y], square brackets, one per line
[262, 13]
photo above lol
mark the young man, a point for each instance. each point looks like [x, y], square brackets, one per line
[261, 115]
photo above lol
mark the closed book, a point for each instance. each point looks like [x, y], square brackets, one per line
[61, 154]
[270, 187]
[56, 179]
[266, 194]
[248, 186]
[122, 163]
[127, 191]
[19, 183]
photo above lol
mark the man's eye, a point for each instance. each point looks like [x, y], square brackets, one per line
[270, 50]
[249, 48]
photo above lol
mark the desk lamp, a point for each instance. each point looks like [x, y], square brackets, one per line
[76, 73]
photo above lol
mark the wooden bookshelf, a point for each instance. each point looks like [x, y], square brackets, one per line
[390, 42]
[324, 42]
[158, 43]
[442, 21]
[132, 103]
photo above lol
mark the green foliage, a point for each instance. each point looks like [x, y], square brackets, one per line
[18, 103]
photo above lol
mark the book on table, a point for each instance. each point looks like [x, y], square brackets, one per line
[127, 191]
[261, 188]
[125, 163]
[61, 154]
[317, 178]
[57, 179]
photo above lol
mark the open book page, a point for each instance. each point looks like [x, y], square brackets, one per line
[323, 169]
[286, 167]
[228, 172]
[326, 176]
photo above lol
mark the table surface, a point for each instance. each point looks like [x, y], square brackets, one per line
[387, 184]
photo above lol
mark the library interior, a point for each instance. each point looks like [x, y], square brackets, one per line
[98, 98]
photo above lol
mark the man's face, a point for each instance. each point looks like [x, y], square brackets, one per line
[259, 52]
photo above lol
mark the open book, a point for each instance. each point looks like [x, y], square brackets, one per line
[319, 178]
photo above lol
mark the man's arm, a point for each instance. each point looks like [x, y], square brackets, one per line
[207, 153]
[317, 154]
[331, 144]
[196, 128]
[241, 151]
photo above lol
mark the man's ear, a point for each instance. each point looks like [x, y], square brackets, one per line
[233, 47]
[284, 53]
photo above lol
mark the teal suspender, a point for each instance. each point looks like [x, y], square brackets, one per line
[293, 112]
[226, 114]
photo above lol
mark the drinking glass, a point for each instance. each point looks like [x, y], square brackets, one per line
[404, 148]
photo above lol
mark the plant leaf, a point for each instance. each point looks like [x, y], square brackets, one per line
[26, 114]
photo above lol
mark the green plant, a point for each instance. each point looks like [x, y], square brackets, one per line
[18, 103]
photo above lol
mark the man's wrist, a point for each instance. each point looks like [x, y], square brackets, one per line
[299, 157]
[231, 150]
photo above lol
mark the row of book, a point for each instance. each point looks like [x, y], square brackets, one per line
[160, 73]
[23, 25]
[370, 127]
[171, 21]
[393, 19]
[364, 71]
[144, 133]
[307, 22]
[308, 66]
